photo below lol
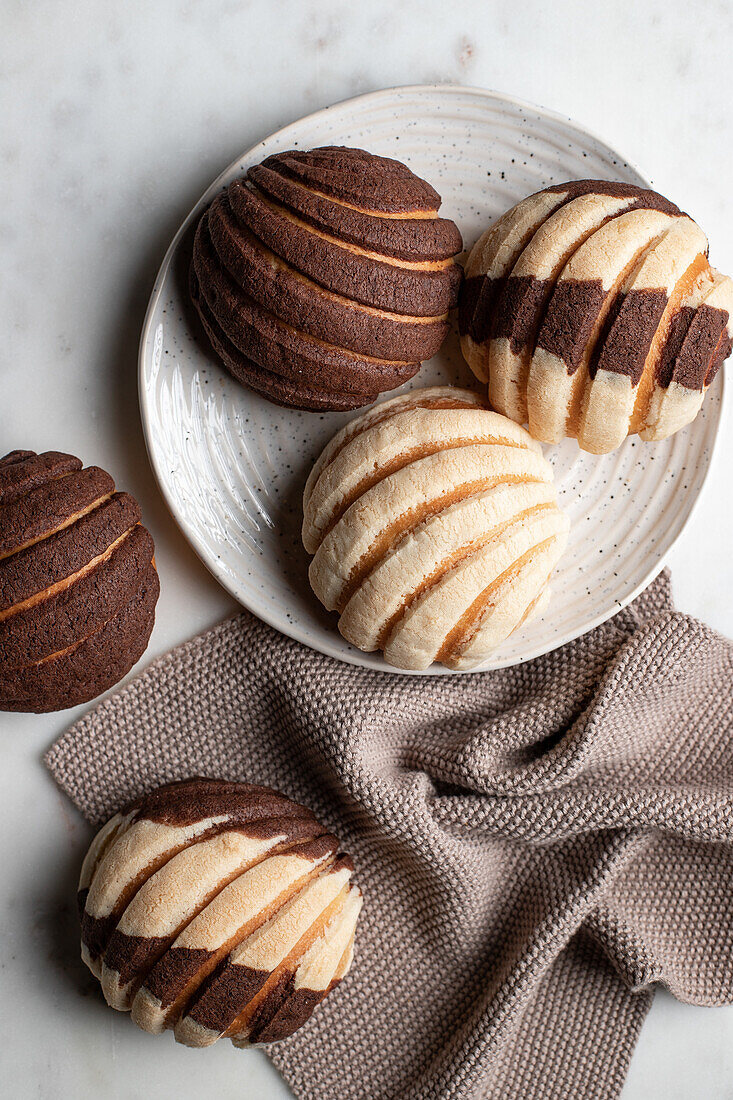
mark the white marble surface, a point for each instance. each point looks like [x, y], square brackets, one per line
[115, 118]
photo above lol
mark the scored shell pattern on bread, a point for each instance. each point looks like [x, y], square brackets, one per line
[78, 584]
[325, 277]
[217, 909]
[434, 526]
[591, 310]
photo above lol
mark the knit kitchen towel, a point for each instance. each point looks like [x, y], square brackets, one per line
[538, 846]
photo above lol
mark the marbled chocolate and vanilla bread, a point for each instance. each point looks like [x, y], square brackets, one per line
[325, 277]
[434, 527]
[591, 310]
[217, 909]
[78, 585]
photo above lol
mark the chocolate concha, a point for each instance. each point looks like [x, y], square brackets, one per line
[434, 526]
[217, 909]
[78, 585]
[325, 278]
[591, 310]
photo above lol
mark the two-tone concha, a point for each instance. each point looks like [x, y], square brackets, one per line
[591, 310]
[435, 527]
[78, 585]
[325, 277]
[217, 909]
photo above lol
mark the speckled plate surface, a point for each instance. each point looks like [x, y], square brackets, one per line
[232, 466]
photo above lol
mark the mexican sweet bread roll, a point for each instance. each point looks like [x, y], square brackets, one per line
[78, 585]
[591, 310]
[324, 278]
[217, 909]
[434, 527]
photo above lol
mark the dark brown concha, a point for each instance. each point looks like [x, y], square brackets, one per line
[303, 304]
[379, 185]
[276, 388]
[407, 238]
[78, 585]
[277, 348]
[215, 909]
[421, 289]
[326, 277]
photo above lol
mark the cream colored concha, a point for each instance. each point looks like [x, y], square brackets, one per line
[217, 909]
[592, 312]
[435, 527]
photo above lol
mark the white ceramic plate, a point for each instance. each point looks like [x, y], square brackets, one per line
[232, 466]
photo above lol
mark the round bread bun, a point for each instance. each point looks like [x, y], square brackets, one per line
[325, 278]
[434, 527]
[591, 311]
[78, 584]
[217, 909]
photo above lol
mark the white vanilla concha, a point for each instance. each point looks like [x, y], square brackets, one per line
[592, 312]
[434, 526]
[217, 909]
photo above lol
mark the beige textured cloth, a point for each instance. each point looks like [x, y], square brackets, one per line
[537, 846]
